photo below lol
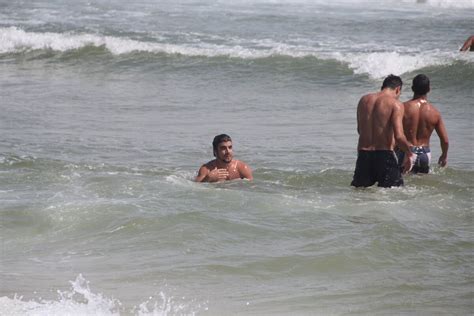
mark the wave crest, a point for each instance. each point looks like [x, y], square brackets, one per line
[14, 40]
[375, 64]
[380, 64]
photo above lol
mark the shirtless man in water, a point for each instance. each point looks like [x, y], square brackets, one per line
[380, 128]
[224, 167]
[419, 120]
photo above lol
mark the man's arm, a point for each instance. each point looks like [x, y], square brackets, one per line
[202, 174]
[397, 123]
[245, 171]
[400, 138]
[359, 108]
[444, 142]
[214, 175]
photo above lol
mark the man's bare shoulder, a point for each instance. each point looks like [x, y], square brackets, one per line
[241, 164]
[367, 101]
[384, 100]
[209, 165]
[431, 107]
[245, 171]
[397, 103]
[369, 98]
[421, 104]
[430, 110]
[411, 105]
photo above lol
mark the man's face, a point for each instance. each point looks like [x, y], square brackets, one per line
[224, 152]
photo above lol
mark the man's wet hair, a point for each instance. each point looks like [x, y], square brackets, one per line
[392, 82]
[219, 139]
[421, 84]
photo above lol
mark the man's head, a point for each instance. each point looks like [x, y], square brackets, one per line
[421, 84]
[394, 83]
[222, 148]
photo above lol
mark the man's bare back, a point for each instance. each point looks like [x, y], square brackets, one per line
[379, 121]
[421, 118]
[419, 121]
[365, 121]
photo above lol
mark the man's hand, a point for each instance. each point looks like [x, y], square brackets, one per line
[443, 160]
[218, 175]
[408, 162]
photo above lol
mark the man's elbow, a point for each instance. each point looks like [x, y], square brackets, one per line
[444, 143]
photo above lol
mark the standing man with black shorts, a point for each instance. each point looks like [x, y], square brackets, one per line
[380, 128]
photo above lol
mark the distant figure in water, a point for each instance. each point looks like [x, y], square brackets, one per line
[468, 44]
[419, 120]
[380, 128]
[224, 167]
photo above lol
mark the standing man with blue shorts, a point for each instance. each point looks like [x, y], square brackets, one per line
[419, 120]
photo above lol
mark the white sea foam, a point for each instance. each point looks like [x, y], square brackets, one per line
[67, 303]
[375, 64]
[380, 64]
[14, 40]
[80, 300]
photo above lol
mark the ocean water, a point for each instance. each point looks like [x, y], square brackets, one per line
[108, 109]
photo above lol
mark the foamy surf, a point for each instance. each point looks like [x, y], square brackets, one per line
[378, 65]
[81, 300]
[375, 64]
[15, 40]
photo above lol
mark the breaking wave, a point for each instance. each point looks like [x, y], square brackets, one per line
[375, 64]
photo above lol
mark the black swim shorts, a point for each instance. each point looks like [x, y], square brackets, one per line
[379, 166]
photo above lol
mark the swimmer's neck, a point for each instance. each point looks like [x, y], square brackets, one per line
[420, 96]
